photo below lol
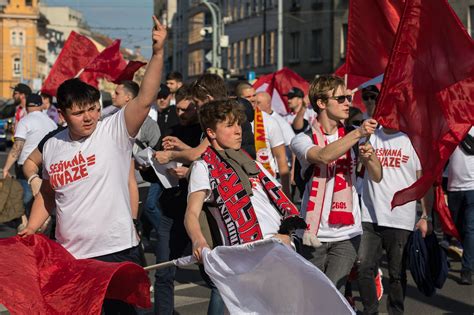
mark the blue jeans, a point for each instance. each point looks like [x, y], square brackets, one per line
[27, 196]
[374, 239]
[172, 242]
[152, 206]
[461, 204]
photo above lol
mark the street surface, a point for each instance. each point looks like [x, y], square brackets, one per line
[192, 296]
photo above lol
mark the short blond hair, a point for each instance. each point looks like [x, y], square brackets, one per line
[320, 86]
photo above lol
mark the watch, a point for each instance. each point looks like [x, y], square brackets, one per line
[425, 217]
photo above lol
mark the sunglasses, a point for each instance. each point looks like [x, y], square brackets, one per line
[342, 98]
[371, 97]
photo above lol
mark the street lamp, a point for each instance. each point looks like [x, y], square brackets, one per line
[218, 39]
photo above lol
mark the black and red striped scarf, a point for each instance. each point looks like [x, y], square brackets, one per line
[234, 204]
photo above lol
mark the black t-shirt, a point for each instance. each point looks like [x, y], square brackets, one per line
[167, 120]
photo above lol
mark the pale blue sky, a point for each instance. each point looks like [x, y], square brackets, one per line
[128, 20]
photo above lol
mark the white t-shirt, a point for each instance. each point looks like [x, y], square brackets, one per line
[327, 233]
[267, 216]
[399, 163]
[273, 138]
[90, 181]
[461, 169]
[153, 113]
[310, 115]
[287, 131]
[32, 128]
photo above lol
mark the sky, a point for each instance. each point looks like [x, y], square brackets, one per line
[128, 20]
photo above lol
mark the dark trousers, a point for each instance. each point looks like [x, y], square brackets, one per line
[374, 239]
[335, 259]
[461, 204]
[172, 241]
[115, 306]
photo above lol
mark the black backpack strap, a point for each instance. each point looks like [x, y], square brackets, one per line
[467, 144]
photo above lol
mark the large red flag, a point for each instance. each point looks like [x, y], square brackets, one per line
[77, 52]
[129, 71]
[278, 84]
[371, 29]
[38, 276]
[109, 64]
[428, 89]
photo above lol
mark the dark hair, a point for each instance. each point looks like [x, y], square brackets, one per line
[320, 86]
[217, 111]
[132, 87]
[183, 93]
[75, 92]
[48, 96]
[353, 111]
[209, 84]
[178, 77]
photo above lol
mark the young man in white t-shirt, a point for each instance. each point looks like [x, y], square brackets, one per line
[245, 200]
[461, 201]
[86, 170]
[387, 228]
[330, 203]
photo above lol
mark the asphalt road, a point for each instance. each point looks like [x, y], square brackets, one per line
[192, 296]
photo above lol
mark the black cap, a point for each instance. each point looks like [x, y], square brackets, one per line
[295, 92]
[164, 92]
[34, 100]
[371, 89]
[22, 88]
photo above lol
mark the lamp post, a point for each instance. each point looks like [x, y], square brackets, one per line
[217, 32]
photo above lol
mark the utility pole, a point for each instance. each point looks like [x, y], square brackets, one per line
[280, 35]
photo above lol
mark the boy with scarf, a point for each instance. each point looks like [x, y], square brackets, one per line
[246, 201]
[330, 203]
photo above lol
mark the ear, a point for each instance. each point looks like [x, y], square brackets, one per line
[210, 134]
[321, 104]
[61, 114]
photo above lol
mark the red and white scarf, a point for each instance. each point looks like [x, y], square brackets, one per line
[234, 204]
[341, 201]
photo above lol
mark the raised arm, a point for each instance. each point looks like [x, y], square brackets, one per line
[137, 109]
[186, 156]
[334, 150]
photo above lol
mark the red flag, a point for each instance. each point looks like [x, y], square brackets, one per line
[129, 71]
[109, 64]
[428, 88]
[39, 276]
[77, 52]
[278, 84]
[372, 25]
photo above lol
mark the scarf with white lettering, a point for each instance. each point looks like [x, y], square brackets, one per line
[233, 201]
[341, 201]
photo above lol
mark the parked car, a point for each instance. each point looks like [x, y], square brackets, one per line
[7, 119]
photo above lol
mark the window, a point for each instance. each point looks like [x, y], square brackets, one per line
[270, 48]
[248, 54]
[17, 37]
[235, 64]
[241, 54]
[256, 46]
[13, 38]
[343, 40]
[262, 50]
[295, 47]
[29, 3]
[316, 45]
[16, 67]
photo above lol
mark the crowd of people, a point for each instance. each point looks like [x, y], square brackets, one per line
[241, 167]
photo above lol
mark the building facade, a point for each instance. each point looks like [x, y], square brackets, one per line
[314, 35]
[18, 51]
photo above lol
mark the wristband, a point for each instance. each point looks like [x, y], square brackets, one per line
[30, 179]
[425, 217]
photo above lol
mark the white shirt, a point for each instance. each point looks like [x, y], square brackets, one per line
[90, 181]
[461, 169]
[285, 127]
[310, 115]
[267, 216]
[32, 128]
[273, 138]
[300, 145]
[399, 163]
[153, 113]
